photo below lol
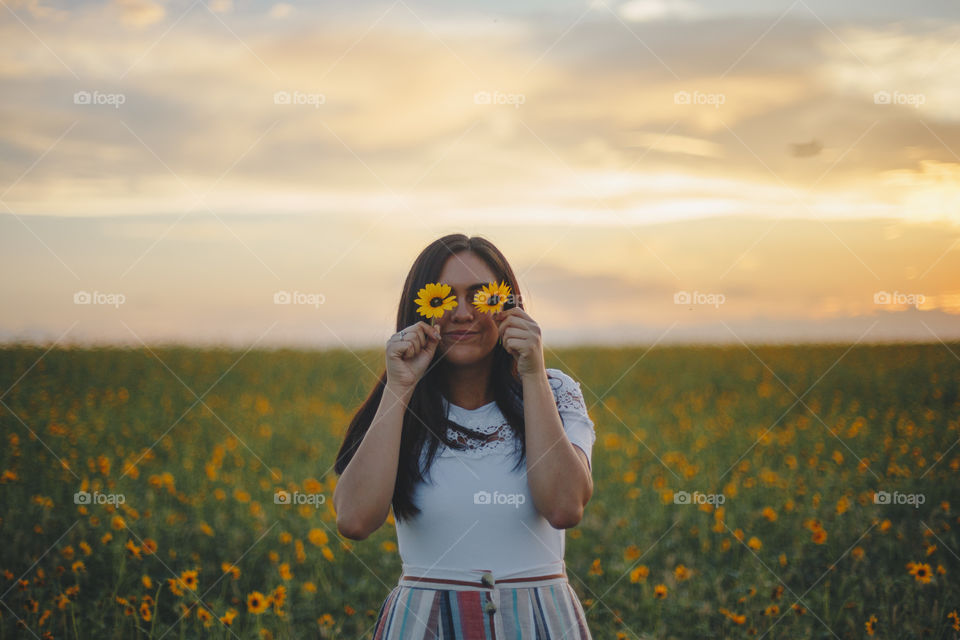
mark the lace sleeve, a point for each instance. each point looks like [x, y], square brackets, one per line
[573, 411]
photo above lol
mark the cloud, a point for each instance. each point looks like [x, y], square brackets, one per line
[917, 68]
[38, 10]
[666, 143]
[139, 13]
[281, 10]
[400, 128]
[805, 149]
[654, 10]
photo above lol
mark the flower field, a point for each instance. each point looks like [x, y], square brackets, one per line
[763, 492]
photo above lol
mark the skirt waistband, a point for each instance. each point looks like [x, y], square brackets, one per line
[484, 582]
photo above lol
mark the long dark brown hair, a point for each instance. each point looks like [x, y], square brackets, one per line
[425, 422]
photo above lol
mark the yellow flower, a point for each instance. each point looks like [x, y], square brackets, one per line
[285, 571]
[145, 612]
[174, 586]
[843, 504]
[133, 549]
[871, 625]
[492, 297]
[231, 569]
[189, 579]
[956, 619]
[257, 603]
[660, 591]
[681, 573]
[754, 543]
[318, 537]
[819, 536]
[595, 568]
[639, 574]
[769, 514]
[279, 596]
[228, 617]
[147, 582]
[433, 300]
[203, 615]
[920, 572]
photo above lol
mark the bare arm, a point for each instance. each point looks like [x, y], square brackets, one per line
[364, 491]
[559, 475]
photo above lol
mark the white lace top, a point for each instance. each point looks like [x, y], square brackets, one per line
[477, 513]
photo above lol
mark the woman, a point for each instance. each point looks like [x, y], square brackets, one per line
[484, 455]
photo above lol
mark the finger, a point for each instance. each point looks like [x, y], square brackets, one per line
[410, 337]
[426, 333]
[401, 346]
[431, 332]
[410, 351]
[513, 332]
[514, 342]
[417, 336]
[512, 345]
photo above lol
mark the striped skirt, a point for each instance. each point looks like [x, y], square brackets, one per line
[545, 610]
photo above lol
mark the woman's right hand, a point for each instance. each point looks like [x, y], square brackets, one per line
[409, 353]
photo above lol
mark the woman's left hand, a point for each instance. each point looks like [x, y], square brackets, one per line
[521, 338]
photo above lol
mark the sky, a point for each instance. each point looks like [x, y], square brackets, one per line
[655, 171]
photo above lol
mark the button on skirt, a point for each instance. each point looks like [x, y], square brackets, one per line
[546, 612]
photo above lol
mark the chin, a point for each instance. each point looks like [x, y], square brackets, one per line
[465, 354]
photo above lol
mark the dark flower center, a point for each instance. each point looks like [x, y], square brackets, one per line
[493, 300]
[436, 302]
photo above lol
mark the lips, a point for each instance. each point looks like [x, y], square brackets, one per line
[459, 335]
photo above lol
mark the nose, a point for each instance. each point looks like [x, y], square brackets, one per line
[464, 311]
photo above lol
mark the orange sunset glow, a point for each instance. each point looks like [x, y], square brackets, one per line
[656, 171]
